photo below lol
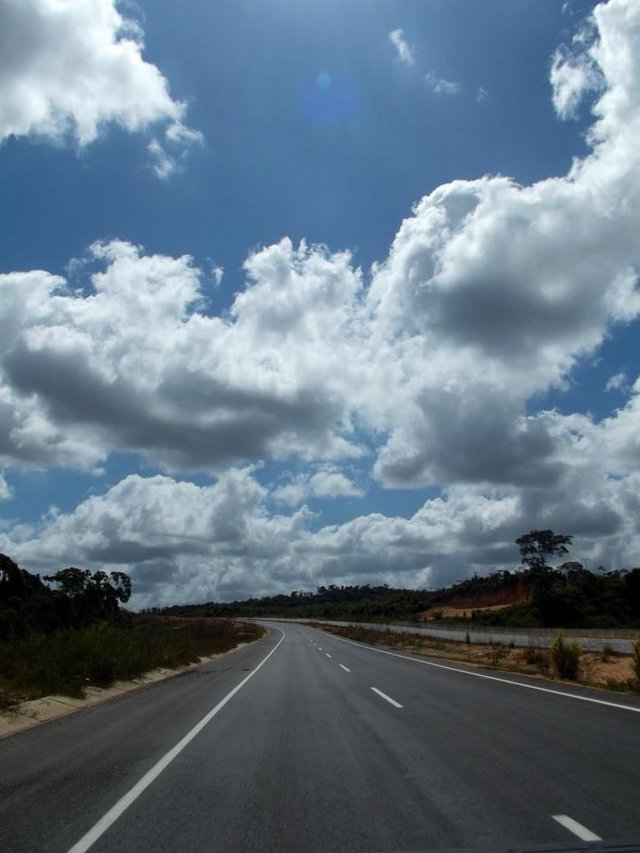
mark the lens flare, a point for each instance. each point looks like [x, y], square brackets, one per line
[329, 99]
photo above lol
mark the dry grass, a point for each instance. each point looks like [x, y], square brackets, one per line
[66, 662]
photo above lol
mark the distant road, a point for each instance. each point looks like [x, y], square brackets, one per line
[306, 742]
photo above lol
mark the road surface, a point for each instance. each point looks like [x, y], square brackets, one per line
[326, 745]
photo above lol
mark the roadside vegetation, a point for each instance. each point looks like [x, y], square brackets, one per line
[564, 660]
[62, 639]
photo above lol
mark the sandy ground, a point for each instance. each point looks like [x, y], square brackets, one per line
[596, 668]
[459, 612]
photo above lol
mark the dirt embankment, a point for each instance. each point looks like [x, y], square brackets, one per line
[462, 606]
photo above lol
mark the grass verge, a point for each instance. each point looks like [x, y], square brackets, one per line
[612, 671]
[67, 661]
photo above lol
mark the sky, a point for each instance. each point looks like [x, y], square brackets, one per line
[301, 292]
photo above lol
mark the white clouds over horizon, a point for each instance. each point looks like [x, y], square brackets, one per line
[422, 369]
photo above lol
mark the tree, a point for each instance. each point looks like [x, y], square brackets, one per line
[538, 545]
[92, 596]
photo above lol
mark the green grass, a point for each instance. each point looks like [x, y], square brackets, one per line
[67, 661]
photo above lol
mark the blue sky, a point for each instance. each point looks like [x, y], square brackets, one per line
[345, 292]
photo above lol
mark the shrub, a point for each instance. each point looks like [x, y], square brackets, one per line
[566, 657]
[607, 653]
[536, 656]
[636, 659]
[497, 653]
[67, 661]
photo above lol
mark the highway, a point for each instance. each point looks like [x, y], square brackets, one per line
[307, 742]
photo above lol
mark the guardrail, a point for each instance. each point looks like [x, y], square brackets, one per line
[589, 639]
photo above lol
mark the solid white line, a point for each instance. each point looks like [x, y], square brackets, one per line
[388, 698]
[346, 668]
[327, 654]
[576, 828]
[493, 677]
[131, 796]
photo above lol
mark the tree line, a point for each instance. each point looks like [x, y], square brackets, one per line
[77, 598]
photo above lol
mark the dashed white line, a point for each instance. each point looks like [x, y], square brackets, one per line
[563, 693]
[388, 698]
[327, 654]
[319, 648]
[132, 795]
[576, 828]
[342, 666]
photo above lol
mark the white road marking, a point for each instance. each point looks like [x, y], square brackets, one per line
[346, 668]
[319, 648]
[327, 654]
[576, 828]
[131, 796]
[388, 698]
[493, 677]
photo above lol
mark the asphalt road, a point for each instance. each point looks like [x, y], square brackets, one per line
[314, 753]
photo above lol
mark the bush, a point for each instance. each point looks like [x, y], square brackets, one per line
[636, 659]
[535, 656]
[608, 652]
[497, 653]
[67, 661]
[566, 657]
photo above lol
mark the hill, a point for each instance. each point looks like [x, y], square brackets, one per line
[567, 597]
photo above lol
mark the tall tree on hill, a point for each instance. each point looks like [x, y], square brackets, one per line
[536, 548]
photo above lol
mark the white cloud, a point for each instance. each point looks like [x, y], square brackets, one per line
[135, 366]
[440, 86]
[218, 541]
[327, 482]
[573, 75]
[169, 156]
[617, 382]
[491, 293]
[69, 68]
[404, 51]
[5, 489]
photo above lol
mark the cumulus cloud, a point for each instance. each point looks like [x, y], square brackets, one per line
[327, 482]
[67, 69]
[218, 541]
[404, 51]
[135, 366]
[491, 294]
